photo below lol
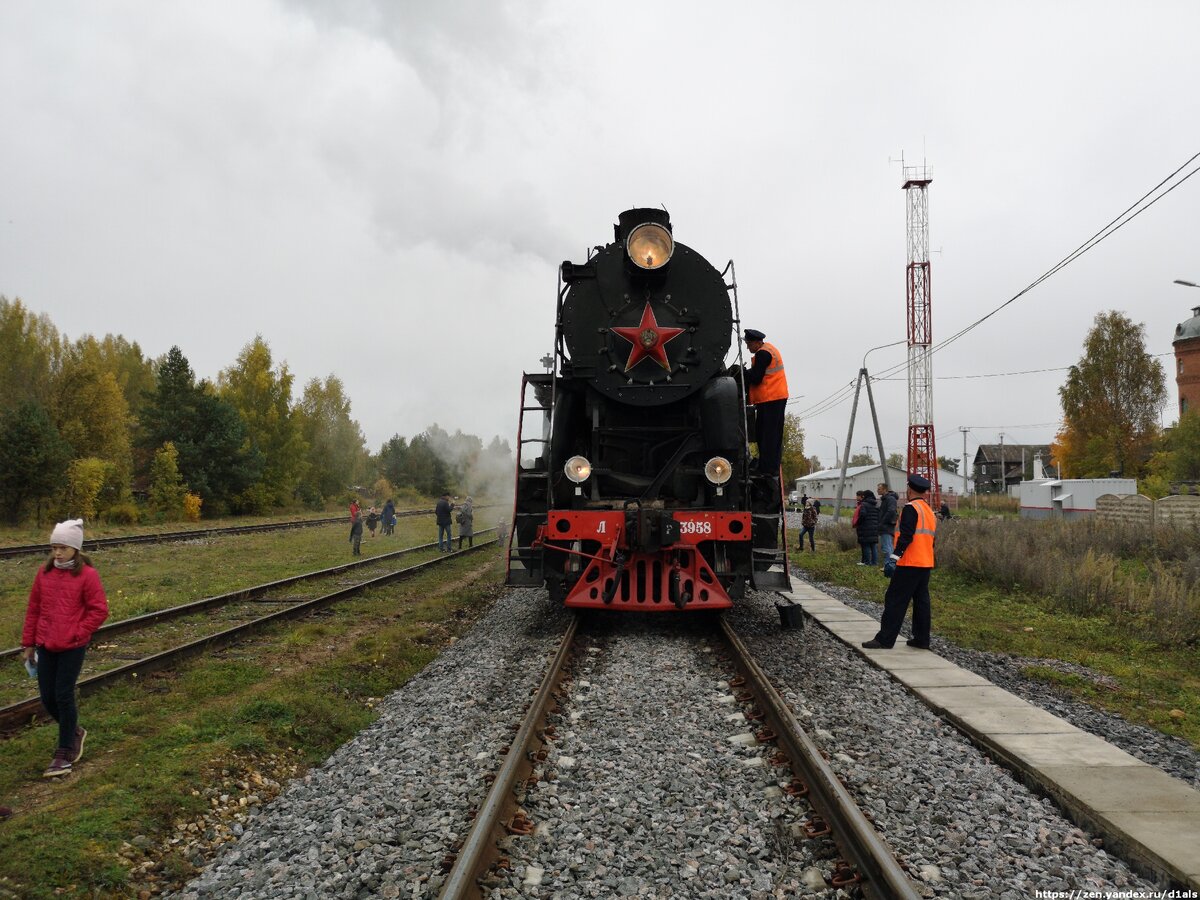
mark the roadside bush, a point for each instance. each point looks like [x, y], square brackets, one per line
[85, 480]
[1088, 567]
[845, 537]
[191, 506]
[122, 514]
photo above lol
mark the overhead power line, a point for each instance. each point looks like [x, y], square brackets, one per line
[1130, 213]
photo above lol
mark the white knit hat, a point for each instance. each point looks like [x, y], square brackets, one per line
[68, 533]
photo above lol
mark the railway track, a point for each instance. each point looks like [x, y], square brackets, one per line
[535, 784]
[194, 534]
[15, 715]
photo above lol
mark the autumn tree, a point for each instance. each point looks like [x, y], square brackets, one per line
[1178, 456]
[949, 463]
[167, 489]
[262, 395]
[337, 454]
[214, 458]
[33, 459]
[795, 462]
[896, 460]
[30, 351]
[1110, 402]
[862, 459]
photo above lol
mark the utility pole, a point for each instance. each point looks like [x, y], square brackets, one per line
[862, 377]
[1003, 472]
[964, 429]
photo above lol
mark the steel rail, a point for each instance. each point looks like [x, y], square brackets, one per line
[17, 714]
[216, 601]
[162, 537]
[480, 844]
[856, 838]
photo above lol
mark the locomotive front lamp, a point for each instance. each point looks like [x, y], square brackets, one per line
[718, 470]
[577, 469]
[650, 246]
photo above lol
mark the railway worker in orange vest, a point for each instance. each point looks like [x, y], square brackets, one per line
[909, 566]
[768, 394]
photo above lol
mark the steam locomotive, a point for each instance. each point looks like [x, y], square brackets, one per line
[641, 495]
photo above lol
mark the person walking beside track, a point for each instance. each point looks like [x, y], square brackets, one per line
[66, 606]
[808, 525]
[909, 567]
[466, 523]
[444, 522]
[389, 517]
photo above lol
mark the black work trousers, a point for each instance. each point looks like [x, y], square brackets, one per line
[909, 583]
[768, 434]
[57, 674]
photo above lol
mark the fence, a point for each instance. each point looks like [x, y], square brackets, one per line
[1180, 510]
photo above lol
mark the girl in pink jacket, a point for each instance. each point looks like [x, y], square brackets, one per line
[66, 605]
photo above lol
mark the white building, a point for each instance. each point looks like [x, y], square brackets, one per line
[1068, 498]
[824, 484]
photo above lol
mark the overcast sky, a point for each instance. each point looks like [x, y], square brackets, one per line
[384, 190]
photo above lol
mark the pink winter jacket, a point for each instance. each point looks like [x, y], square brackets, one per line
[64, 609]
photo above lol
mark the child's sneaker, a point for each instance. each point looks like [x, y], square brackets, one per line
[60, 765]
[77, 746]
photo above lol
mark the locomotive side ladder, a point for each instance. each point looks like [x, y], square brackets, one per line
[530, 481]
[769, 566]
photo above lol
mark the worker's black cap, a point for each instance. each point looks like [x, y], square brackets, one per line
[918, 482]
[753, 334]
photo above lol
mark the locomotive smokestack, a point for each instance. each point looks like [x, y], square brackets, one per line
[632, 218]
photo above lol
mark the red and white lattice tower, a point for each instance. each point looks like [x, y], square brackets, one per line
[922, 454]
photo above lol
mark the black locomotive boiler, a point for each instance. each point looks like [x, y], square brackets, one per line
[641, 495]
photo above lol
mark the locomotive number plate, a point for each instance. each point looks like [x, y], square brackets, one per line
[695, 527]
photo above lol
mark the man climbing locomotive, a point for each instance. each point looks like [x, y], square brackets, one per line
[640, 497]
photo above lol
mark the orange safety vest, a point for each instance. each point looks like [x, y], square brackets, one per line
[919, 553]
[774, 383]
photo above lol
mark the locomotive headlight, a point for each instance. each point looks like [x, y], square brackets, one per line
[577, 469]
[650, 246]
[718, 470]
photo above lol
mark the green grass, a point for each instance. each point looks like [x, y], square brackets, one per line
[1150, 682]
[141, 578]
[284, 700]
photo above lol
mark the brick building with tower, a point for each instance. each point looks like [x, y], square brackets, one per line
[1187, 362]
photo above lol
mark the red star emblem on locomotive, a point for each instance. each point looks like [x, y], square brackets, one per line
[649, 339]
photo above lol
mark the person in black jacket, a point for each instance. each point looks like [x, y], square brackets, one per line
[866, 523]
[444, 522]
[889, 514]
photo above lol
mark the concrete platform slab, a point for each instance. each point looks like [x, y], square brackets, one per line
[1067, 748]
[938, 676]
[901, 658]
[1126, 789]
[853, 630]
[832, 617]
[960, 699]
[1172, 835]
[999, 720]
